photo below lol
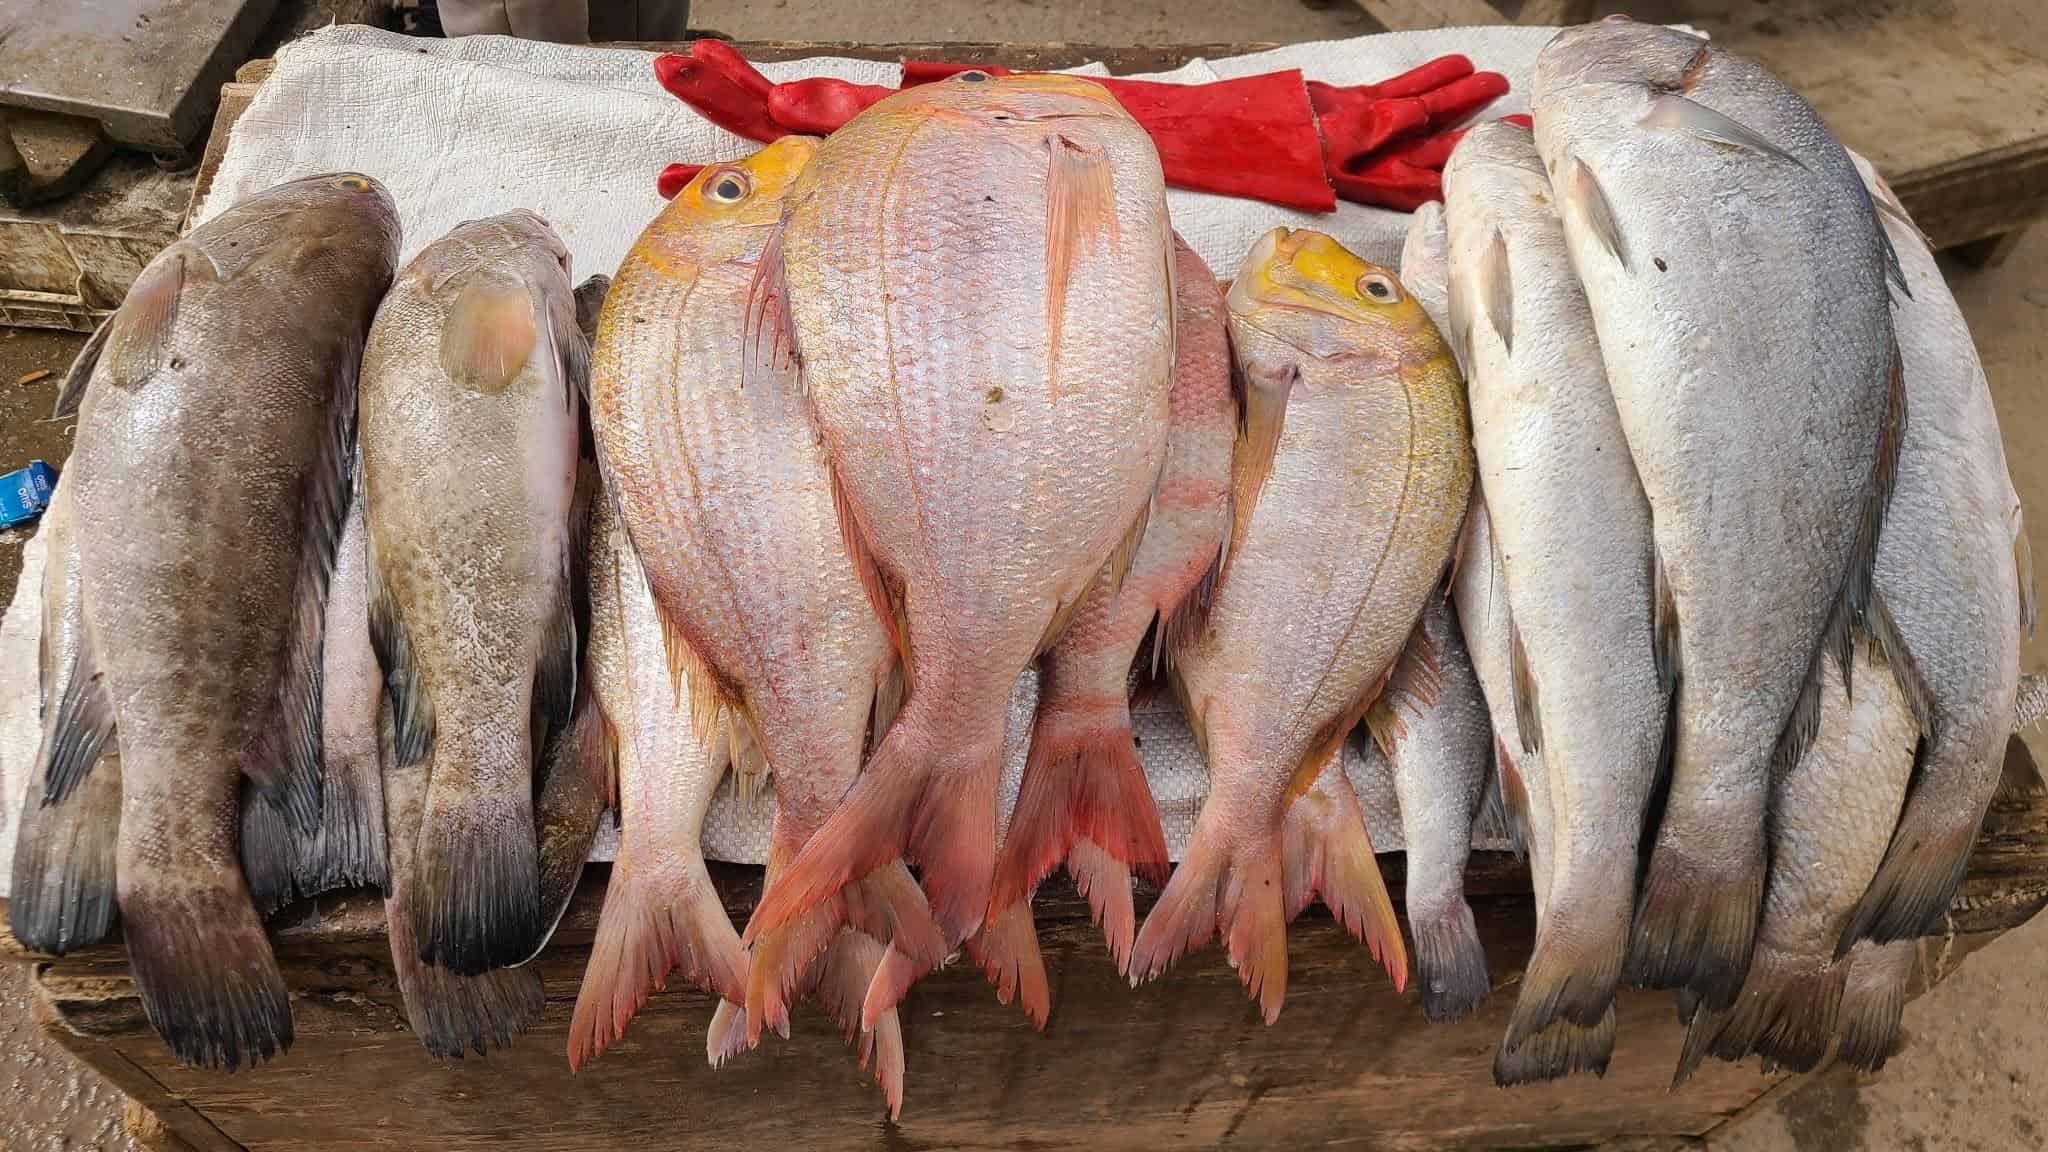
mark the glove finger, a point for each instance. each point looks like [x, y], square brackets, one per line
[1351, 134]
[720, 55]
[1426, 78]
[1417, 152]
[675, 178]
[715, 97]
[818, 105]
[1391, 184]
[1459, 99]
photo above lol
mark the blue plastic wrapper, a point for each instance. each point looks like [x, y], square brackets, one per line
[24, 493]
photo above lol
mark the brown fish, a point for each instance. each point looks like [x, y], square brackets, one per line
[63, 880]
[979, 287]
[1874, 1001]
[469, 444]
[212, 476]
[1082, 783]
[723, 483]
[1343, 527]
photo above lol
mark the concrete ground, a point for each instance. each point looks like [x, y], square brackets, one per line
[1974, 1075]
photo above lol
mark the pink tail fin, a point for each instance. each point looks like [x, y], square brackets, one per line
[844, 974]
[928, 801]
[1106, 883]
[886, 904]
[1227, 885]
[1327, 853]
[886, 989]
[1082, 781]
[1185, 916]
[646, 930]
[727, 1035]
[1007, 950]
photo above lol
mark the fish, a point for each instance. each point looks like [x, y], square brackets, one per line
[1955, 576]
[212, 476]
[995, 425]
[1342, 530]
[349, 848]
[1832, 816]
[63, 880]
[471, 384]
[1439, 754]
[1571, 528]
[1874, 1002]
[723, 484]
[450, 1014]
[1697, 192]
[1082, 783]
[1426, 266]
[660, 909]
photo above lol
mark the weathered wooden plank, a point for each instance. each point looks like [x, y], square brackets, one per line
[1402, 15]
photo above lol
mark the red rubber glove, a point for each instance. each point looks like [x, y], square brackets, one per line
[734, 98]
[674, 177]
[1405, 175]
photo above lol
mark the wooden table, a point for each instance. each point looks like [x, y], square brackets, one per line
[1181, 1063]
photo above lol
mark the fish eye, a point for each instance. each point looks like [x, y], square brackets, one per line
[353, 184]
[728, 188]
[973, 76]
[1379, 286]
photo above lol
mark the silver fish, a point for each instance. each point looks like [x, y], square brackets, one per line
[1955, 574]
[469, 445]
[1434, 718]
[1571, 529]
[212, 475]
[1698, 193]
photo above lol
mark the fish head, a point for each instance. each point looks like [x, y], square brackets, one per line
[726, 212]
[301, 220]
[1622, 52]
[520, 242]
[1302, 289]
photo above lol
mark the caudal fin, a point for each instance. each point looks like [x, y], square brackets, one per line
[1786, 1013]
[1083, 784]
[1229, 886]
[1874, 1002]
[845, 974]
[648, 927]
[930, 802]
[1576, 962]
[1007, 950]
[1695, 921]
[886, 904]
[1327, 854]
[204, 971]
[1450, 962]
[1556, 1052]
[1924, 865]
[475, 898]
[350, 849]
[1105, 882]
[454, 1015]
[63, 880]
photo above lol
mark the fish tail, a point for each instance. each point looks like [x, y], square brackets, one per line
[845, 973]
[1702, 1028]
[1450, 962]
[646, 929]
[726, 1037]
[63, 880]
[894, 810]
[1557, 1052]
[1185, 915]
[1929, 853]
[1082, 780]
[1105, 882]
[1576, 963]
[888, 986]
[204, 971]
[1326, 853]
[475, 899]
[1695, 920]
[1874, 1003]
[779, 965]
[1786, 1011]
[350, 850]
[453, 1015]
[270, 851]
[1007, 950]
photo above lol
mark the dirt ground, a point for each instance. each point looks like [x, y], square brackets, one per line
[1974, 1075]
